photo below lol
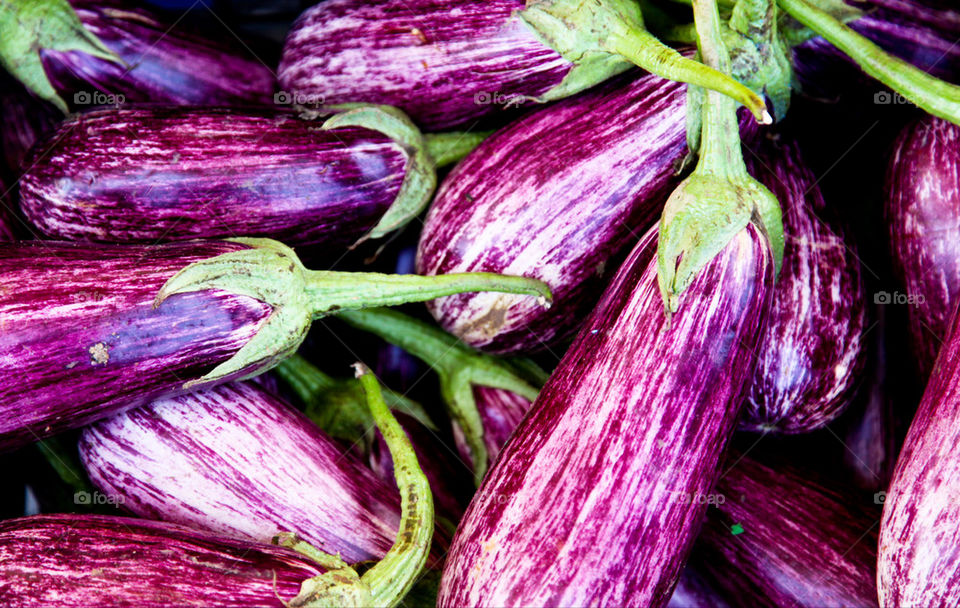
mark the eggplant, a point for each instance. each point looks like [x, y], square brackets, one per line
[813, 349]
[581, 506]
[692, 591]
[159, 174]
[562, 216]
[923, 215]
[449, 63]
[161, 62]
[119, 326]
[778, 538]
[918, 563]
[98, 560]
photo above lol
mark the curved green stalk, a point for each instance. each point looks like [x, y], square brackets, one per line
[448, 148]
[937, 97]
[459, 367]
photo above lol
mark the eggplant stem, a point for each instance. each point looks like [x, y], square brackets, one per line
[448, 148]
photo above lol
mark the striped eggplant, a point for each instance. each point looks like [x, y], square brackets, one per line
[451, 62]
[121, 325]
[563, 215]
[163, 62]
[923, 215]
[777, 538]
[918, 561]
[813, 348]
[239, 462]
[98, 560]
[152, 174]
[581, 507]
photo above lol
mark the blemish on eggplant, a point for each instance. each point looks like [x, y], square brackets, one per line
[99, 354]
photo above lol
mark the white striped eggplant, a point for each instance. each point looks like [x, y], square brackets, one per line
[581, 507]
[161, 61]
[239, 462]
[919, 564]
[587, 175]
[778, 538]
[923, 215]
[813, 348]
[98, 560]
[152, 174]
[450, 62]
[118, 326]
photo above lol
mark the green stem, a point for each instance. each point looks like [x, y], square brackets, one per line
[448, 148]
[304, 378]
[394, 575]
[931, 94]
[67, 467]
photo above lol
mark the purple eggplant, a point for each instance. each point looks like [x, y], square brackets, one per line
[562, 216]
[581, 506]
[96, 560]
[239, 462]
[162, 62]
[776, 538]
[152, 174]
[923, 213]
[813, 348]
[919, 564]
[693, 591]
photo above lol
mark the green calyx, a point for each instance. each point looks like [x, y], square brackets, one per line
[459, 367]
[759, 56]
[603, 38]
[338, 405]
[389, 580]
[28, 26]
[272, 273]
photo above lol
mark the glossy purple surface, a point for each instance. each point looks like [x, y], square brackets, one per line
[239, 462]
[923, 215]
[585, 505]
[586, 177]
[80, 339]
[146, 175]
[98, 560]
[166, 62]
[801, 544]
[813, 349]
[443, 62]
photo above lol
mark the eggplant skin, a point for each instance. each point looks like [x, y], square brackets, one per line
[443, 62]
[165, 63]
[238, 462]
[923, 213]
[813, 350]
[99, 560]
[80, 338]
[151, 174]
[587, 176]
[919, 564]
[585, 504]
[802, 544]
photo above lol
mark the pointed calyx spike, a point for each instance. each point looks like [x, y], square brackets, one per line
[272, 273]
[27, 26]
[459, 367]
[602, 38]
[421, 170]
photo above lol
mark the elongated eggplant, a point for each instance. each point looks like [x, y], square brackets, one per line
[813, 348]
[918, 560]
[97, 560]
[151, 174]
[580, 508]
[777, 538]
[162, 62]
[923, 213]
[563, 214]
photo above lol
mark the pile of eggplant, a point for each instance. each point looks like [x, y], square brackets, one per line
[480, 303]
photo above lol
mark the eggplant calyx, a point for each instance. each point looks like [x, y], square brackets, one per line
[28, 26]
[339, 586]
